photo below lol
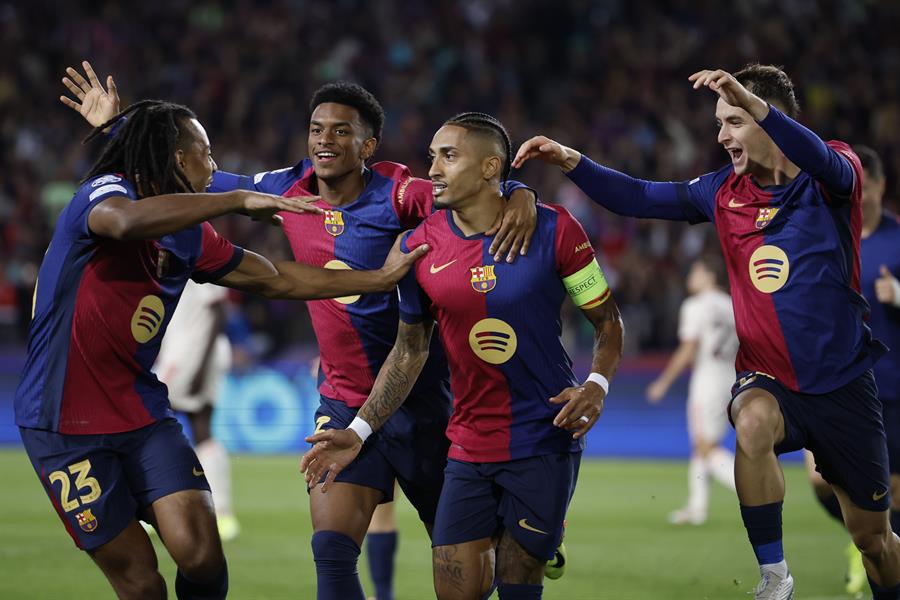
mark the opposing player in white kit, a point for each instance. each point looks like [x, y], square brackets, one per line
[193, 360]
[708, 341]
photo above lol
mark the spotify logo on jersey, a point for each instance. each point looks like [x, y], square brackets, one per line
[493, 341]
[147, 319]
[338, 265]
[769, 269]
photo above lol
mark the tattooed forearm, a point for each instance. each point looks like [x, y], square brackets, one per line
[398, 374]
[608, 337]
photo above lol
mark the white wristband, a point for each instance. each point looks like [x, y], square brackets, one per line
[362, 429]
[600, 380]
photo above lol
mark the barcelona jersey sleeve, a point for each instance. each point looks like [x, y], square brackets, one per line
[218, 257]
[698, 196]
[268, 182]
[89, 195]
[577, 264]
[414, 302]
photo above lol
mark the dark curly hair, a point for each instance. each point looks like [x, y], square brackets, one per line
[772, 85]
[356, 96]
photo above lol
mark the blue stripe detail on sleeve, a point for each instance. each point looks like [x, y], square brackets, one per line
[807, 150]
[625, 195]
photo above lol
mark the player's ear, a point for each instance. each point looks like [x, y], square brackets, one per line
[491, 167]
[179, 158]
[368, 148]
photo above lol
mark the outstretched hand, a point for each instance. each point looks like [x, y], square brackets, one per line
[731, 91]
[549, 151]
[264, 207]
[333, 450]
[95, 104]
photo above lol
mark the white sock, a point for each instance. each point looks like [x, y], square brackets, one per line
[698, 486]
[720, 463]
[779, 568]
[214, 459]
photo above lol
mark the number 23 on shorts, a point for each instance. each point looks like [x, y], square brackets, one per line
[83, 481]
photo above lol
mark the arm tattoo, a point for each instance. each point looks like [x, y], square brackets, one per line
[398, 374]
[608, 337]
[448, 571]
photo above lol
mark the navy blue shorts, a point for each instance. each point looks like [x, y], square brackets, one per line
[410, 448]
[527, 497]
[99, 483]
[843, 429]
[891, 413]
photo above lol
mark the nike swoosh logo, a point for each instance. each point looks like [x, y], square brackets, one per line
[523, 523]
[435, 269]
[197, 472]
[876, 496]
[733, 204]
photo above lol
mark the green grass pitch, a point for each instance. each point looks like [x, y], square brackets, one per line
[620, 546]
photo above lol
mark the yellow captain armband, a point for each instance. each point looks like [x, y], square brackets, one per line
[587, 287]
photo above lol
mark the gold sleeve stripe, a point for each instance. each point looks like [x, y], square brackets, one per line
[587, 285]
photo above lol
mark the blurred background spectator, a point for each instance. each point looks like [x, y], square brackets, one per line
[607, 77]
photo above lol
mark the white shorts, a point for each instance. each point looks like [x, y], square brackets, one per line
[179, 379]
[707, 407]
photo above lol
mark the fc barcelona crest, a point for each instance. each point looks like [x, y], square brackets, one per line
[765, 216]
[483, 279]
[334, 222]
[86, 520]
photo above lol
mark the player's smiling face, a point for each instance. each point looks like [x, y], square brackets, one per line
[751, 149]
[194, 155]
[339, 141]
[457, 166]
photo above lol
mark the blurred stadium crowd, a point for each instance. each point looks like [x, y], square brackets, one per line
[608, 77]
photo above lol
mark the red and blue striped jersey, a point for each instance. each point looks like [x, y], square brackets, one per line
[500, 325]
[101, 308]
[792, 253]
[355, 333]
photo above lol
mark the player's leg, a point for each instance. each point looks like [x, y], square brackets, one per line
[821, 488]
[381, 550]
[85, 481]
[760, 425]
[463, 556]
[694, 512]
[847, 437]
[880, 547]
[168, 481]
[341, 517]
[534, 499]
[129, 563]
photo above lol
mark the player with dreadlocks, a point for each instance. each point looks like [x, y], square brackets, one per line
[514, 455]
[94, 419]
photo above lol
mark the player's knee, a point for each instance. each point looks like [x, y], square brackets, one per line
[205, 562]
[755, 428]
[872, 543]
[139, 583]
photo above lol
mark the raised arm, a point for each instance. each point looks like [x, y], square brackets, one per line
[334, 449]
[298, 281]
[615, 191]
[800, 145]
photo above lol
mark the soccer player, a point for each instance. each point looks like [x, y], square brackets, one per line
[194, 358]
[94, 420]
[364, 209]
[788, 213]
[880, 258]
[519, 415]
[709, 343]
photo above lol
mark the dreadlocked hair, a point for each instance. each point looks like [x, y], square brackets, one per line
[486, 124]
[143, 148]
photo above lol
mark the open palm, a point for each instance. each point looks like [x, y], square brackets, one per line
[93, 103]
